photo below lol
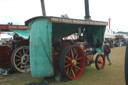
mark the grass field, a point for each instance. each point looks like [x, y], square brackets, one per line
[110, 75]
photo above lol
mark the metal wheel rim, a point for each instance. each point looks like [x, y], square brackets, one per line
[21, 59]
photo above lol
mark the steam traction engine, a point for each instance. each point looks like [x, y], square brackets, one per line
[14, 53]
[70, 56]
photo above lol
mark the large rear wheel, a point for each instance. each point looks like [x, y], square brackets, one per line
[72, 62]
[20, 59]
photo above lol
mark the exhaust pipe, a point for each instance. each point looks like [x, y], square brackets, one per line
[87, 16]
[43, 8]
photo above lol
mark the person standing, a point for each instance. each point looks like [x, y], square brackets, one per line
[107, 51]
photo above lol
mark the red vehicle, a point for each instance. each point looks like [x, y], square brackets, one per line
[14, 53]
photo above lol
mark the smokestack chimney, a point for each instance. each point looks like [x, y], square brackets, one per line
[43, 8]
[109, 22]
[87, 16]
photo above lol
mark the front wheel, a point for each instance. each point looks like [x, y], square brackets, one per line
[20, 59]
[100, 61]
[72, 62]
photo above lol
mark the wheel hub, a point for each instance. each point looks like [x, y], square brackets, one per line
[74, 62]
[24, 59]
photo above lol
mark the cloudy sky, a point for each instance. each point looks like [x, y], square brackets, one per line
[18, 11]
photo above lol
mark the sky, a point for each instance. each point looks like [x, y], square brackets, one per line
[18, 11]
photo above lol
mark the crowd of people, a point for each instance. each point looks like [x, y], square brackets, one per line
[116, 42]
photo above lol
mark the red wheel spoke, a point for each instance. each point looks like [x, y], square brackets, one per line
[75, 51]
[65, 61]
[100, 58]
[67, 70]
[70, 71]
[78, 58]
[72, 54]
[68, 53]
[78, 63]
[77, 67]
[75, 70]
[73, 73]
[99, 61]
[68, 58]
[67, 65]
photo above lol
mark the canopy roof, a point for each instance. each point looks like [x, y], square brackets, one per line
[17, 27]
[65, 26]
[69, 21]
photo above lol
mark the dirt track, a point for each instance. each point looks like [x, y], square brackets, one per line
[110, 75]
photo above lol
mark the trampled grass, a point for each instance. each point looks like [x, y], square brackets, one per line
[110, 75]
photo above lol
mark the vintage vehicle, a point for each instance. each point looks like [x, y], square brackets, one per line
[51, 53]
[14, 52]
[49, 47]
